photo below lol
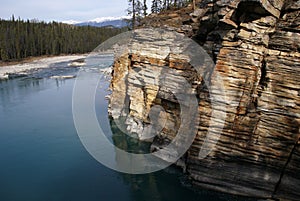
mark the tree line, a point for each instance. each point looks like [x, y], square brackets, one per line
[138, 9]
[20, 39]
[160, 5]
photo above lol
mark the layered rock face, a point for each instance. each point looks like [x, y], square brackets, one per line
[255, 46]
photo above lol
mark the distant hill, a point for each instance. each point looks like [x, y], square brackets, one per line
[117, 22]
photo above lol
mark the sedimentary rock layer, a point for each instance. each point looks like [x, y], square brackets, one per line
[255, 46]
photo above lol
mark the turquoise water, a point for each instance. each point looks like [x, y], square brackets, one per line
[43, 159]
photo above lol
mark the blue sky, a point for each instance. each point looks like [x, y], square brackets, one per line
[62, 10]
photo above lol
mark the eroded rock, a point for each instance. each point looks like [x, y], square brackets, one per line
[255, 45]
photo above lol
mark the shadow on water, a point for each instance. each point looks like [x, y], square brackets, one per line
[166, 185]
[42, 157]
[125, 142]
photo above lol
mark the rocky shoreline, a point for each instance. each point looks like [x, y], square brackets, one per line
[255, 45]
[25, 68]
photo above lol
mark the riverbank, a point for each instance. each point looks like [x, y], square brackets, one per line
[23, 67]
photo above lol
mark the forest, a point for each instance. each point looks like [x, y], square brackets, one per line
[137, 9]
[20, 39]
[25, 38]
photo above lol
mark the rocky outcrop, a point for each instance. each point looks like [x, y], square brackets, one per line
[259, 63]
[255, 45]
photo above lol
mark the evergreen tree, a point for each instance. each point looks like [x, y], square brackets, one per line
[132, 12]
[137, 11]
[156, 6]
[145, 8]
[20, 39]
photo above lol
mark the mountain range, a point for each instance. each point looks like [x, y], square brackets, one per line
[118, 22]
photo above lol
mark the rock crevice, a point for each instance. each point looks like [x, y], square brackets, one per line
[255, 46]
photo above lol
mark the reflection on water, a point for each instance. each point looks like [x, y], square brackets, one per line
[42, 157]
[125, 142]
[168, 185]
[13, 91]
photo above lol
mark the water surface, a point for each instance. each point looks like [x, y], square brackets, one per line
[42, 157]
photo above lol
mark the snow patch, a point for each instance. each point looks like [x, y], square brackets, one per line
[71, 22]
[98, 20]
[104, 19]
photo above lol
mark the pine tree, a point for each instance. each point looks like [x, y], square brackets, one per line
[145, 8]
[132, 11]
[20, 39]
[156, 6]
[137, 11]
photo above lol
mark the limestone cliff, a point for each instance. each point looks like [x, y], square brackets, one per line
[255, 46]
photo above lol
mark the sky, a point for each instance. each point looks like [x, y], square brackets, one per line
[62, 10]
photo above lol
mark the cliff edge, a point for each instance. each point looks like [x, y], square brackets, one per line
[255, 46]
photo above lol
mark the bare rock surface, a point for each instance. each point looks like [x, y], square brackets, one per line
[256, 49]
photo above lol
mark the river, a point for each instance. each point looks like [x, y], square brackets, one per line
[42, 157]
